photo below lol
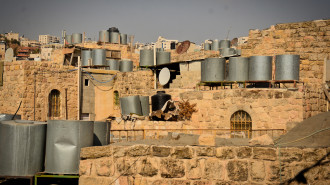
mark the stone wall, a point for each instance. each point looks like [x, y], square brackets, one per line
[195, 165]
[31, 82]
[310, 40]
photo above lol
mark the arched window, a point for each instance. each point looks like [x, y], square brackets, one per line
[241, 124]
[116, 98]
[54, 103]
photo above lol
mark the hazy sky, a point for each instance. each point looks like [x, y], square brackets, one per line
[194, 20]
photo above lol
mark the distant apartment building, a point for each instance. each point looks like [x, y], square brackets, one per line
[166, 43]
[46, 39]
[242, 40]
[30, 43]
[2, 50]
[12, 36]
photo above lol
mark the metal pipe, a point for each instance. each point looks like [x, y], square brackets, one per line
[155, 70]
[66, 103]
[79, 88]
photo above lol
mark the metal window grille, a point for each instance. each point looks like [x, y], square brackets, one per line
[54, 103]
[241, 124]
[116, 98]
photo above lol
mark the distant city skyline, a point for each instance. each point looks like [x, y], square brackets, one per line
[193, 20]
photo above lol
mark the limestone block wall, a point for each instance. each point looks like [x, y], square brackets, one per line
[31, 82]
[194, 165]
[310, 40]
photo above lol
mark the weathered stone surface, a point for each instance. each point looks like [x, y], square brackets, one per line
[261, 140]
[291, 154]
[204, 151]
[225, 152]
[264, 153]
[104, 167]
[313, 155]
[204, 182]
[257, 170]
[183, 153]
[194, 169]
[237, 170]
[161, 151]
[86, 180]
[139, 150]
[206, 139]
[213, 169]
[171, 168]
[85, 167]
[148, 167]
[243, 152]
[180, 182]
[125, 167]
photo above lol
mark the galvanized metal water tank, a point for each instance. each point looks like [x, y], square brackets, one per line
[224, 43]
[145, 105]
[114, 37]
[158, 100]
[5, 117]
[215, 45]
[146, 57]
[98, 56]
[76, 38]
[125, 65]
[260, 68]
[86, 56]
[207, 46]
[130, 105]
[163, 57]
[65, 138]
[287, 67]
[113, 64]
[22, 147]
[68, 39]
[238, 69]
[104, 36]
[228, 52]
[101, 133]
[213, 70]
[123, 38]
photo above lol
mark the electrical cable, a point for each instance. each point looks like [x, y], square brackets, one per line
[98, 80]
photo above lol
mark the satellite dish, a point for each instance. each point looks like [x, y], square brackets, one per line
[9, 55]
[164, 76]
[183, 47]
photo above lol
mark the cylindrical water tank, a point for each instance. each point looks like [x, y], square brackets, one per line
[98, 56]
[76, 38]
[228, 52]
[4, 117]
[215, 45]
[213, 70]
[104, 36]
[101, 133]
[163, 57]
[224, 43]
[123, 38]
[260, 68]
[22, 147]
[207, 46]
[146, 57]
[68, 39]
[125, 65]
[130, 105]
[287, 67]
[86, 56]
[114, 37]
[238, 69]
[113, 64]
[158, 100]
[145, 105]
[65, 138]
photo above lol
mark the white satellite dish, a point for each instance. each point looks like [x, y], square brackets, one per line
[164, 76]
[9, 55]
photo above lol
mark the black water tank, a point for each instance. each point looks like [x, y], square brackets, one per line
[113, 29]
[158, 100]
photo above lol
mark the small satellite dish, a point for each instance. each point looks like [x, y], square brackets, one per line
[9, 55]
[164, 76]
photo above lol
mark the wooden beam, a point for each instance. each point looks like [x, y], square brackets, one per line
[101, 71]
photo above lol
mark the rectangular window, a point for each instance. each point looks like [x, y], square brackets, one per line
[86, 82]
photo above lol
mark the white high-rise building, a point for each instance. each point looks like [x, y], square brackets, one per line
[46, 39]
